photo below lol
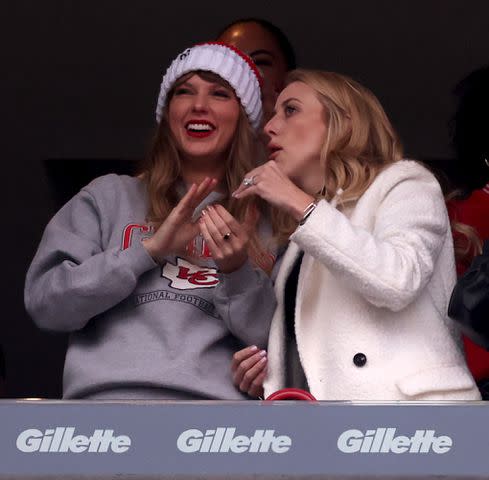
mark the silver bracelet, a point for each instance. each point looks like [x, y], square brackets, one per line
[307, 212]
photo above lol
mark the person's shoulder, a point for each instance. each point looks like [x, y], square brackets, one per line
[110, 190]
[410, 173]
[113, 184]
[407, 168]
[409, 190]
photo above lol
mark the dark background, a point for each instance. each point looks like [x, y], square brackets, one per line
[79, 81]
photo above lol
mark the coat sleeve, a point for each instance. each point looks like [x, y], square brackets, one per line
[393, 261]
[72, 278]
[245, 299]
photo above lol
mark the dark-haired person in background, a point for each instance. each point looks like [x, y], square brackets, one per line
[470, 137]
[269, 48]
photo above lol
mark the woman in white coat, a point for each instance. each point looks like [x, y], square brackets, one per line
[364, 285]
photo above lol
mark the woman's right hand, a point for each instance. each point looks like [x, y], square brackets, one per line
[178, 228]
[269, 182]
[248, 369]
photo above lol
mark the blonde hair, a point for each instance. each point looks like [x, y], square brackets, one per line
[466, 240]
[360, 139]
[162, 167]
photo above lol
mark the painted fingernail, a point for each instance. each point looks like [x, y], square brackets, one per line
[253, 348]
[263, 353]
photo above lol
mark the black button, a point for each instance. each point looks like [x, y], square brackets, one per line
[360, 359]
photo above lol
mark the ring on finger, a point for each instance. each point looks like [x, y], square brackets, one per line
[249, 181]
[226, 236]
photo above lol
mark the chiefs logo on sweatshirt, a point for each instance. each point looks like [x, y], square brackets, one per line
[185, 276]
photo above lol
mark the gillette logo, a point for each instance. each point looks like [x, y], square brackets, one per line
[63, 440]
[385, 440]
[224, 440]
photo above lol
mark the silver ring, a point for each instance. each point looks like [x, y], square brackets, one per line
[249, 181]
[226, 236]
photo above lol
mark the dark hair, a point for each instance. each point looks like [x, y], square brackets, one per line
[469, 130]
[282, 39]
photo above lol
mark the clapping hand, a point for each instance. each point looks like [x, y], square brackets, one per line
[226, 238]
[178, 228]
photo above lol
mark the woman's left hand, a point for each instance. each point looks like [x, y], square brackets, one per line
[226, 238]
[271, 184]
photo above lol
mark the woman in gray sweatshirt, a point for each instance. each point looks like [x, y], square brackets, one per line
[160, 278]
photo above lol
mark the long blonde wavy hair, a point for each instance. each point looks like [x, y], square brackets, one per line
[359, 143]
[162, 167]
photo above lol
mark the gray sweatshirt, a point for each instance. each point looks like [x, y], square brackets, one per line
[139, 329]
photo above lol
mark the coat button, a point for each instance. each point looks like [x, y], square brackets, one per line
[360, 359]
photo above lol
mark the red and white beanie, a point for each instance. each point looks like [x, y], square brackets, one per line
[226, 61]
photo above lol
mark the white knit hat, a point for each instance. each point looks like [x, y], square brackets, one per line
[226, 61]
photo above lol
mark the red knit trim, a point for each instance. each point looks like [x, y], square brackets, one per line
[243, 55]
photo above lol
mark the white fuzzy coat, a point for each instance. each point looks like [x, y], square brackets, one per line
[376, 280]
